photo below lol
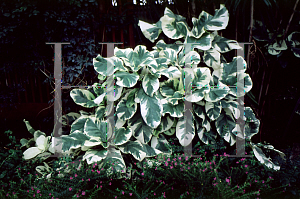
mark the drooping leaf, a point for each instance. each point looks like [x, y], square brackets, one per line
[135, 148]
[123, 111]
[150, 84]
[151, 108]
[185, 130]
[93, 156]
[141, 131]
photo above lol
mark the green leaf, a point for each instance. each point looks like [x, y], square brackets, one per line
[150, 84]
[225, 124]
[213, 110]
[141, 131]
[184, 136]
[123, 111]
[126, 79]
[92, 156]
[122, 135]
[28, 126]
[150, 31]
[224, 45]
[203, 43]
[173, 26]
[135, 148]
[83, 98]
[151, 108]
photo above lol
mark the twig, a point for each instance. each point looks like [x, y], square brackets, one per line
[287, 27]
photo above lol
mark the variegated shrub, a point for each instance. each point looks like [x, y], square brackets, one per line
[150, 94]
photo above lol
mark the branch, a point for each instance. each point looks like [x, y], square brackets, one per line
[287, 27]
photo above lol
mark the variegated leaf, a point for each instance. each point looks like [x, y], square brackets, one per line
[96, 128]
[192, 58]
[225, 125]
[173, 110]
[212, 58]
[126, 79]
[173, 26]
[141, 131]
[166, 123]
[161, 45]
[184, 136]
[83, 98]
[78, 124]
[92, 156]
[203, 43]
[150, 84]
[202, 77]
[171, 72]
[150, 151]
[213, 110]
[197, 94]
[217, 93]
[224, 45]
[124, 112]
[135, 148]
[150, 31]
[122, 135]
[160, 143]
[151, 108]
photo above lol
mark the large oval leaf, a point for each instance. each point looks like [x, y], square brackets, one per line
[92, 156]
[213, 110]
[151, 108]
[212, 58]
[173, 26]
[225, 125]
[126, 79]
[31, 153]
[173, 110]
[83, 98]
[96, 128]
[141, 131]
[150, 31]
[150, 84]
[123, 111]
[224, 45]
[160, 143]
[135, 148]
[122, 135]
[79, 123]
[202, 43]
[184, 136]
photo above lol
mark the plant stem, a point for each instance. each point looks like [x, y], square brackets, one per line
[287, 27]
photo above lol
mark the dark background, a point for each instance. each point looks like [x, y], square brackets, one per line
[27, 63]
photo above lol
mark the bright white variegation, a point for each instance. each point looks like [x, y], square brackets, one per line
[147, 108]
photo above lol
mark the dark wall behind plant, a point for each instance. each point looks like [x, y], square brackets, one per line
[26, 25]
